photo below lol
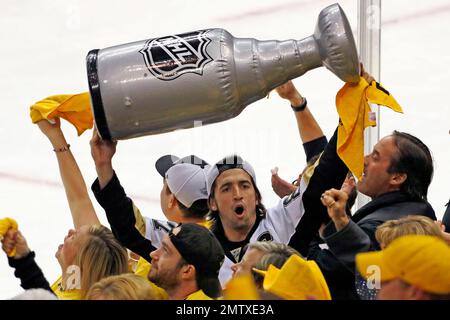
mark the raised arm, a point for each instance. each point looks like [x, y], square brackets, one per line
[102, 152]
[80, 204]
[311, 134]
[111, 196]
[308, 127]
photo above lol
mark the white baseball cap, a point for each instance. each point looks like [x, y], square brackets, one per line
[165, 162]
[188, 182]
[230, 162]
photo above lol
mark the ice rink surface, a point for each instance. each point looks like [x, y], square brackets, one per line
[43, 49]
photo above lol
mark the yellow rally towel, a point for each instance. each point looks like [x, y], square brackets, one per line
[298, 279]
[75, 108]
[241, 288]
[5, 225]
[354, 111]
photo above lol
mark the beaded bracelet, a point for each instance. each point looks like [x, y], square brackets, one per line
[62, 149]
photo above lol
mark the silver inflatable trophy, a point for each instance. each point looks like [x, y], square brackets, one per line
[163, 84]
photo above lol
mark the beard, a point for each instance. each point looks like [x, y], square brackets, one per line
[165, 280]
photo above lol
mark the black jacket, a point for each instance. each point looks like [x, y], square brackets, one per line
[29, 273]
[120, 214]
[446, 218]
[359, 235]
[329, 173]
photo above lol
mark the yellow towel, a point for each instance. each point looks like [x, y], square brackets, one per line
[241, 288]
[298, 279]
[353, 109]
[75, 108]
[5, 225]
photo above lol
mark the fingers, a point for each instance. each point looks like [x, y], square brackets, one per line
[48, 122]
[287, 90]
[8, 246]
[367, 76]
[281, 187]
[327, 200]
[331, 197]
[10, 235]
[278, 181]
[9, 241]
[20, 238]
[49, 127]
[334, 193]
[55, 122]
[274, 171]
[95, 135]
[348, 185]
[283, 87]
[97, 139]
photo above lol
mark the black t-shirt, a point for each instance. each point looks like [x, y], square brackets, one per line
[233, 250]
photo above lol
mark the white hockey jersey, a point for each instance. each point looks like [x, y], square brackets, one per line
[278, 225]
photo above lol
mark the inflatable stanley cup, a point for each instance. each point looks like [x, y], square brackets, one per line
[163, 84]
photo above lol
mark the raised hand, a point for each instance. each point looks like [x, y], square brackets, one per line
[289, 92]
[102, 152]
[15, 239]
[335, 201]
[281, 187]
[368, 77]
[48, 128]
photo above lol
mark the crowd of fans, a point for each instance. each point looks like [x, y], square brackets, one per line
[220, 241]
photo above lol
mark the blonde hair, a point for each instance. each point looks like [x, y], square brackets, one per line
[122, 287]
[100, 256]
[275, 253]
[273, 247]
[392, 229]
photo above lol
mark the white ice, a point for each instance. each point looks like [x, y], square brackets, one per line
[43, 49]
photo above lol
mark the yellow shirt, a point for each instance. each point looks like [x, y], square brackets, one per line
[198, 295]
[65, 294]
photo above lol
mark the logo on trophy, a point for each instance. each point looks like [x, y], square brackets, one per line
[169, 57]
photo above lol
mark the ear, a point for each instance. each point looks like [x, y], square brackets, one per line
[212, 204]
[398, 179]
[172, 201]
[188, 272]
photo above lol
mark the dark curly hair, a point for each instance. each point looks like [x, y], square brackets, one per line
[414, 159]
